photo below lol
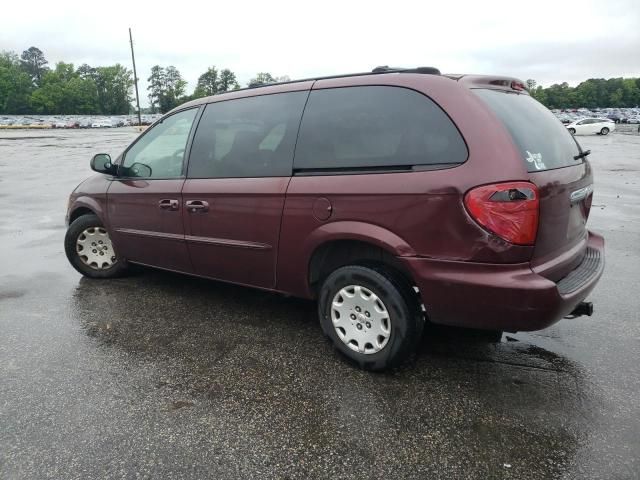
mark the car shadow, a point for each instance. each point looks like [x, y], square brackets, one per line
[240, 352]
[165, 303]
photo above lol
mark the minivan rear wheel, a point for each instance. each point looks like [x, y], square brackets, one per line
[604, 131]
[89, 249]
[371, 315]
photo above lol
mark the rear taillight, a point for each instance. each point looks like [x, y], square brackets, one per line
[509, 210]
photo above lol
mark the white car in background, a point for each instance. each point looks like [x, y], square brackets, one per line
[591, 126]
[101, 124]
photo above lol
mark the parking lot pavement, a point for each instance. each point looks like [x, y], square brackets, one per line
[162, 376]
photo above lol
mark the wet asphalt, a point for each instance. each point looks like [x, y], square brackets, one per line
[158, 375]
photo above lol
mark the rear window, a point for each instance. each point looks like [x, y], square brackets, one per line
[545, 143]
[375, 127]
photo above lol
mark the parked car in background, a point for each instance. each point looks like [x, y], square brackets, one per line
[103, 123]
[591, 126]
[410, 196]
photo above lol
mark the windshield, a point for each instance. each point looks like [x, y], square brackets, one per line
[544, 142]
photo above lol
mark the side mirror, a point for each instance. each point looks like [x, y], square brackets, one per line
[101, 163]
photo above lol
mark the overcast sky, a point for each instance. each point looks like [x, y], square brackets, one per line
[549, 41]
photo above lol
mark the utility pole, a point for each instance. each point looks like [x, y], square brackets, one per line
[135, 77]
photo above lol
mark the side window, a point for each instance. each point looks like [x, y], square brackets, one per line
[160, 152]
[374, 127]
[247, 137]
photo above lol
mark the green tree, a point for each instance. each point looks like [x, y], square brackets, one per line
[212, 82]
[114, 85]
[615, 99]
[592, 93]
[630, 92]
[15, 85]
[86, 71]
[63, 90]
[207, 83]
[83, 95]
[540, 94]
[261, 78]
[227, 81]
[166, 88]
[156, 86]
[174, 90]
[34, 64]
[175, 82]
[49, 98]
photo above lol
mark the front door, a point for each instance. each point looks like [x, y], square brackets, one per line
[239, 169]
[145, 200]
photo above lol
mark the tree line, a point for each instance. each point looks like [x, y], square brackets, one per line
[167, 87]
[592, 93]
[29, 86]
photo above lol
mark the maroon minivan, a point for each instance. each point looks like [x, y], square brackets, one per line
[392, 197]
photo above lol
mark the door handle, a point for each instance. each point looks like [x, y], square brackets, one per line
[197, 206]
[168, 204]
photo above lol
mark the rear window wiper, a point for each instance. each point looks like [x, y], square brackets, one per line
[582, 155]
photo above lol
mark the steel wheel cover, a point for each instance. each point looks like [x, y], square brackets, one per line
[360, 319]
[95, 250]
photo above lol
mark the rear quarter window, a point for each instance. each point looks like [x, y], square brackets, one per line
[544, 142]
[375, 127]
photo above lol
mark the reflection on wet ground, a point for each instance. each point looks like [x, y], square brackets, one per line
[169, 376]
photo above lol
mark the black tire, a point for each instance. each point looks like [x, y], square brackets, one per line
[74, 231]
[400, 300]
[604, 131]
[572, 131]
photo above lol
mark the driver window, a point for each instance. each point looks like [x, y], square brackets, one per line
[160, 152]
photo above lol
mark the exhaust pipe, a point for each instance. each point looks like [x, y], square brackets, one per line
[583, 308]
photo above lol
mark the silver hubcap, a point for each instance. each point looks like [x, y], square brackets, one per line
[94, 248]
[361, 319]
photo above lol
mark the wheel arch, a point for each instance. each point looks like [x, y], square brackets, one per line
[353, 243]
[86, 206]
[79, 212]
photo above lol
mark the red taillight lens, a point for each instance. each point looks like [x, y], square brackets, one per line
[509, 210]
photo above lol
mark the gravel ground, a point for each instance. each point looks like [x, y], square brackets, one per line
[162, 376]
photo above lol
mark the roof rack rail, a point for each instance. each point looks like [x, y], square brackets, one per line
[376, 71]
[388, 69]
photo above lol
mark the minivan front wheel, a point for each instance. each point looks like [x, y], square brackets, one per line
[370, 315]
[604, 131]
[572, 131]
[89, 249]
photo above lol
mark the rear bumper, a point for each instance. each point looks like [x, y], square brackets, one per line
[509, 297]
